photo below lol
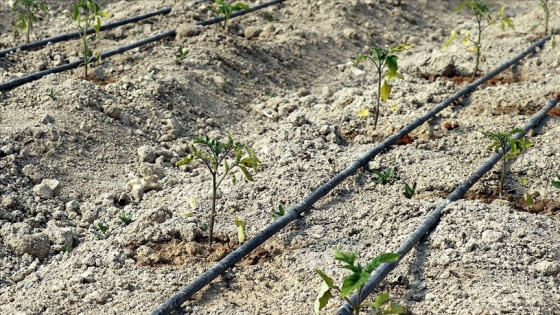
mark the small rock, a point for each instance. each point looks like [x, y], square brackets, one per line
[146, 170]
[36, 245]
[9, 202]
[548, 268]
[48, 188]
[112, 111]
[33, 173]
[186, 30]
[147, 153]
[252, 32]
[47, 119]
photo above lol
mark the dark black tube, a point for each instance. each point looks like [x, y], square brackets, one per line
[69, 36]
[37, 75]
[238, 13]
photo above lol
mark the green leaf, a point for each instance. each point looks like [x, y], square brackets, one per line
[353, 282]
[462, 5]
[364, 112]
[452, 37]
[381, 259]
[385, 91]
[347, 257]
[394, 308]
[523, 181]
[400, 48]
[186, 160]
[528, 199]
[322, 298]
[240, 229]
[328, 280]
[246, 173]
[381, 299]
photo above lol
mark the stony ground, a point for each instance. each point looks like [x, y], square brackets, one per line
[97, 148]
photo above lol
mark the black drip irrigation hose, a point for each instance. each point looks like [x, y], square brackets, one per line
[432, 219]
[69, 36]
[232, 258]
[239, 13]
[37, 75]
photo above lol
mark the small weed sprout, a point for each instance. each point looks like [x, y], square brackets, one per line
[124, 218]
[281, 212]
[268, 16]
[385, 176]
[215, 155]
[87, 13]
[102, 231]
[355, 283]
[544, 6]
[528, 198]
[482, 12]
[500, 142]
[409, 190]
[26, 15]
[52, 94]
[66, 248]
[225, 9]
[181, 53]
[556, 183]
[382, 58]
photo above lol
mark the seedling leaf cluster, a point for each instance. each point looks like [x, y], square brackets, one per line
[355, 283]
[26, 16]
[225, 9]
[484, 19]
[222, 158]
[383, 59]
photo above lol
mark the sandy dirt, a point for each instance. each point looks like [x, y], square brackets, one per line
[96, 148]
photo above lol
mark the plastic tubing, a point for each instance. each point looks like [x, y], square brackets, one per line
[239, 13]
[69, 36]
[37, 75]
[232, 258]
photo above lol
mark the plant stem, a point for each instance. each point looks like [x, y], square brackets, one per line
[213, 211]
[545, 6]
[378, 96]
[479, 21]
[359, 296]
[503, 176]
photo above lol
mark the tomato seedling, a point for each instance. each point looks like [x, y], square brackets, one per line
[215, 154]
[501, 141]
[382, 58]
[483, 13]
[26, 15]
[225, 9]
[355, 283]
[87, 13]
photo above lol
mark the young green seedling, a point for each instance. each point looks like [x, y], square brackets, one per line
[215, 155]
[52, 94]
[124, 218]
[225, 9]
[382, 58]
[528, 198]
[181, 53]
[26, 15]
[409, 190]
[281, 211]
[556, 183]
[102, 231]
[501, 141]
[87, 13]
[355, 283]
[482, 12]
[384, 177]
[544, 6]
